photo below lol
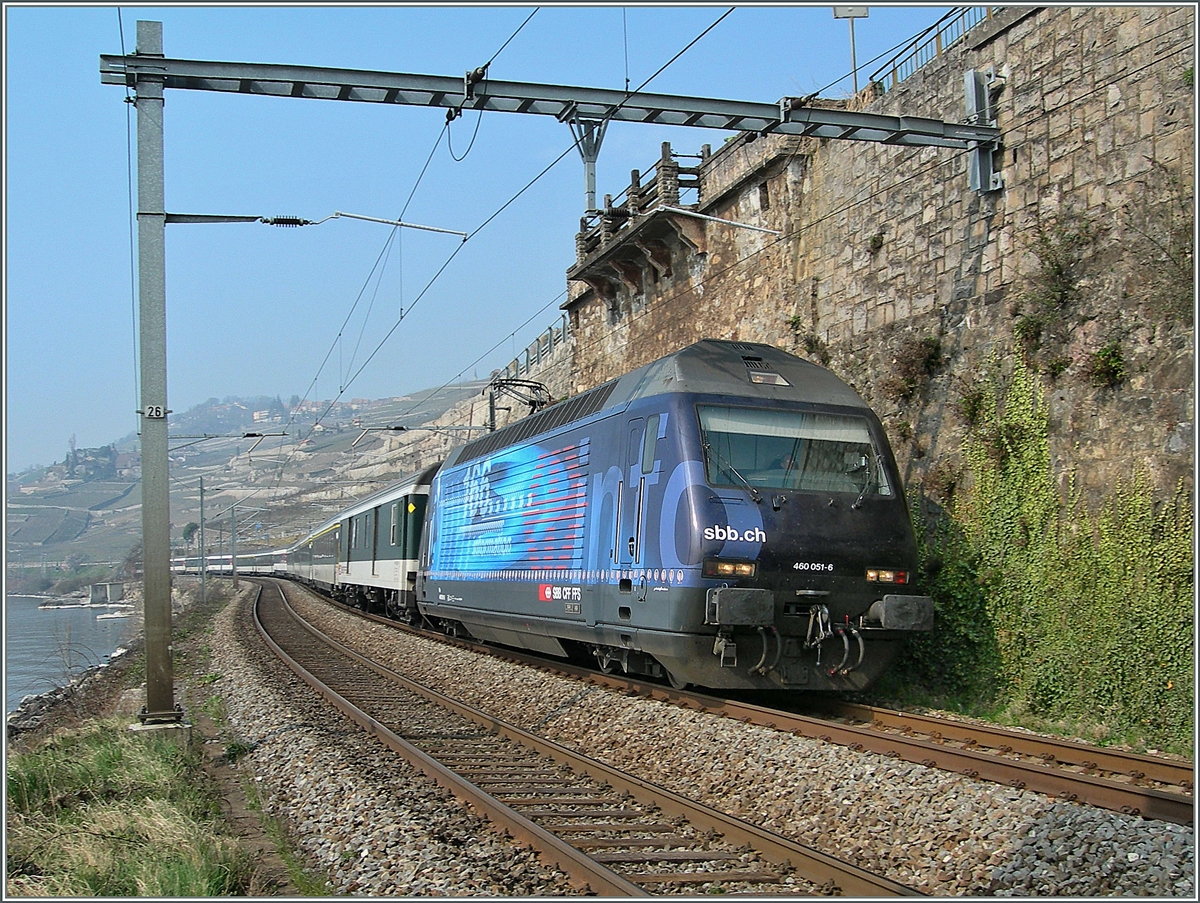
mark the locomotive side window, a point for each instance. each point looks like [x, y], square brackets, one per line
[648, 443]
[800, 450]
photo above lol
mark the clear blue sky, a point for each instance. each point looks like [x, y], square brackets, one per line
[256, 310]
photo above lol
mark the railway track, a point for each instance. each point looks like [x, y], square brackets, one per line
[1116, 780]
[613, 833]
[1150, 786]
[1110, 779]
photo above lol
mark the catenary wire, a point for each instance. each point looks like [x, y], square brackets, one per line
[864, 199]
[346, 321]
[133, 291]
[486, 222]
[343, 388]
[625, 41]
[385, 253]
[527, 186]
[907, 41]
[664, 303]
[485, 68]
[518, 194]
[387, 336]
[511, 36]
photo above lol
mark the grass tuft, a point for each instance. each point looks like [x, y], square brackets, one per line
[103, 812]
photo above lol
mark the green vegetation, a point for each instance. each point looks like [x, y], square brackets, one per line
[1159, 238]
[1106, 366]
[101, 811]
[1059, 246]
[1028, 331]
[98, 810]
[1051, 614]
[1057, 366]
[33, 580]
[916, 360]
[812, 344]
[1044, 313]
[309, 883]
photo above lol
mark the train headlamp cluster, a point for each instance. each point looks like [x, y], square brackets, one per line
[887, 575]
[719, 567]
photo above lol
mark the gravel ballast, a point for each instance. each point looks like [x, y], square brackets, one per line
[379, 827]
[365, 817]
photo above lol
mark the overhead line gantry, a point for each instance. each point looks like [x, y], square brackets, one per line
[587, 110]
[148, 72]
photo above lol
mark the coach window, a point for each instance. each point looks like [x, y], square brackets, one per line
[395, 540]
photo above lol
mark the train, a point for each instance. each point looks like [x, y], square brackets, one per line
[730, 516]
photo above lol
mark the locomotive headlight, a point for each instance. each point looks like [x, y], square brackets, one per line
[719, 567]
[883, 575]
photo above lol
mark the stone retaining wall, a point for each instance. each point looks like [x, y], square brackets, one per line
[884, 247]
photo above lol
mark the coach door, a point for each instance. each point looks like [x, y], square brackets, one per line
[372, 539]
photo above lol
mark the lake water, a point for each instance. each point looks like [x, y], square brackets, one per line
[45, 648]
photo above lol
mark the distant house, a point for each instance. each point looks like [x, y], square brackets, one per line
[128, 466]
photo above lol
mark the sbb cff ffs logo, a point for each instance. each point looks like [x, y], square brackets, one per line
[757, 534]
[550, 593]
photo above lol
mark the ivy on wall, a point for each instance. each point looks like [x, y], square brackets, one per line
[1044, 607]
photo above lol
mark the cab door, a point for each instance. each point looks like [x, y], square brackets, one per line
[629, 536]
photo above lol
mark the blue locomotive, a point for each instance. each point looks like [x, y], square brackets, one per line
[729, 516]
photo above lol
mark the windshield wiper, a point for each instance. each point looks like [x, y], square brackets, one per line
[754, 493]
[871, 481]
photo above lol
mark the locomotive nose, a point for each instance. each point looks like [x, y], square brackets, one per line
[823, 602]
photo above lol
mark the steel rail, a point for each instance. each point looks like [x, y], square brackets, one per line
[1135, 765]
[811, 864]
[1102, 792]
[586, 872]
[1096, 791]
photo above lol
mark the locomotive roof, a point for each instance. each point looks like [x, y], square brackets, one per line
[752, 370]
[748, 371]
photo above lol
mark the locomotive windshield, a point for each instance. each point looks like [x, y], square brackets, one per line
[798, 450]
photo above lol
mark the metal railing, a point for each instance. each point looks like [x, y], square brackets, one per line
[664, 186]
[540, 350]
[930, 44]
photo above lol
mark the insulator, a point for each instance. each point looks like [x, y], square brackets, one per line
[287, 221]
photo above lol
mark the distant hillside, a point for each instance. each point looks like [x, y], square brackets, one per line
[88, 506]
[231, 415]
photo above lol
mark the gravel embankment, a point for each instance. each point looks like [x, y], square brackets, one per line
[365, 817]
[380, 828]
